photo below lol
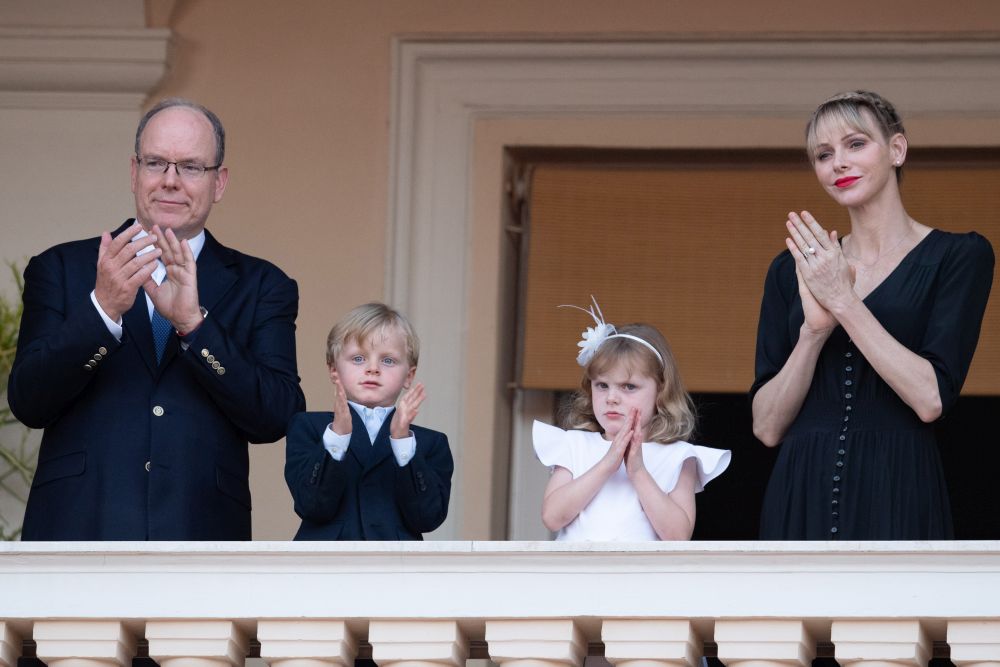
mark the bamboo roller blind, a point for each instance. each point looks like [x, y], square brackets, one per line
[687, 248]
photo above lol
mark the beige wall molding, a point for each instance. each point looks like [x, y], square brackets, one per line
[441, 89]
[85, 68]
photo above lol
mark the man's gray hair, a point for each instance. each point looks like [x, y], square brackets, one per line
[217, 129]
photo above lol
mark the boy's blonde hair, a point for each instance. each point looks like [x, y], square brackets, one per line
[366, 321]
[674, 416]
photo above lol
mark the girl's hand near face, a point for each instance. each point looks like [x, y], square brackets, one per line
[620, 444]
[634, 463]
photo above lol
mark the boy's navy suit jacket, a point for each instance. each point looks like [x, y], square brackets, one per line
[367, 495]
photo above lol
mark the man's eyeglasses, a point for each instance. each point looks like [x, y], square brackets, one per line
[155, 166]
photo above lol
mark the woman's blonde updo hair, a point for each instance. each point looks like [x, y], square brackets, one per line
[847, 109]
[674, 417]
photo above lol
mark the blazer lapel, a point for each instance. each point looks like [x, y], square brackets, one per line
[360, 448]
[136, 323]
[215, 273]
[382, 449]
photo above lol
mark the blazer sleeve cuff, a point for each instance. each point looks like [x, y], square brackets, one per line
[335, 443]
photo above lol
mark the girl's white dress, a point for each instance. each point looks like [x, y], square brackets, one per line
[615, 513]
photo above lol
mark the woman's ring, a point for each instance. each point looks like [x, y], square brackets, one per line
[811, 250]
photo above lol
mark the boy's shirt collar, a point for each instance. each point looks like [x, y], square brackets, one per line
[372, 417]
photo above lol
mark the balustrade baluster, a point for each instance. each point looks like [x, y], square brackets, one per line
[974, 643]
[418, 643]
[84, 643]
[536, 643]
[196, 643]
[764, 643]
[650, 643]
[875, 643]
[305, 643]
[10, 645]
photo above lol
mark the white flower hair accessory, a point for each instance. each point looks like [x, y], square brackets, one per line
[602, 331]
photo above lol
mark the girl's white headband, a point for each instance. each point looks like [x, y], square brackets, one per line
[594, 336]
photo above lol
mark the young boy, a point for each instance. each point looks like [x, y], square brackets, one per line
[365, 472]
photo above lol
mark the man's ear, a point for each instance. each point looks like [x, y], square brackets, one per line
[221, 181]
[134, 174]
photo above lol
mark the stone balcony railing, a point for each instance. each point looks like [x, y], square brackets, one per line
[520, 604]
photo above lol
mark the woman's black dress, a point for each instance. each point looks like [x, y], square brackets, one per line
[857, 463]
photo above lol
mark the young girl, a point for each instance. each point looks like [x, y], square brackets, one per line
[625, 473]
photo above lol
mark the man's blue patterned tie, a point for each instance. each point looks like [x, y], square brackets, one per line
[161, 333]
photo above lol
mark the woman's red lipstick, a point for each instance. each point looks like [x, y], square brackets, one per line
[845, 181]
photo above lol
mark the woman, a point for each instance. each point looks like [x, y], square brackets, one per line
[863, 343]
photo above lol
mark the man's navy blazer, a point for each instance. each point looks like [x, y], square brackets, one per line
[135, 450]
[367, 495]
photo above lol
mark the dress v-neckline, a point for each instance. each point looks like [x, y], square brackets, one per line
[904, 260]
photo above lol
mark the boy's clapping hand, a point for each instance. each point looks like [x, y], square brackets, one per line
[406, 412]
[341, 411]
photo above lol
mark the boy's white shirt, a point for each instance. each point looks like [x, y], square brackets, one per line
[373, 418]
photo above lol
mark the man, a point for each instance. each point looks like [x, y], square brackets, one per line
[152, 356]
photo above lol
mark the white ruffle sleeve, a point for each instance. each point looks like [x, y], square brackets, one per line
[578, 451]
[665, 462]
[552, 445]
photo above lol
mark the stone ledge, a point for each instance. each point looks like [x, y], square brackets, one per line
[80, 68]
